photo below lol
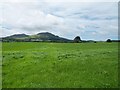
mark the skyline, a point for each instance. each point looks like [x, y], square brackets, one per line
[89, 20]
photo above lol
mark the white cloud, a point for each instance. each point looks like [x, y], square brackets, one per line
[67, 19]
[53, 1]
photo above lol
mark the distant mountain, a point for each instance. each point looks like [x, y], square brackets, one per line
[45, 37]
[18, 36]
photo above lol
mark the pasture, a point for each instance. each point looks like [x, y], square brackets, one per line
[59, 65]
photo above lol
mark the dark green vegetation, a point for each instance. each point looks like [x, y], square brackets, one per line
[56, 65]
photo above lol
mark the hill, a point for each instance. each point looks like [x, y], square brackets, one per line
[44, 37]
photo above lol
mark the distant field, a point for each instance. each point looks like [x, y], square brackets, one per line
[60, 65]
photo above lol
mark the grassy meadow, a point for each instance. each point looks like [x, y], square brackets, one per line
[59, 65]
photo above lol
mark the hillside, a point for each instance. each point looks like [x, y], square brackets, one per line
[45, 36]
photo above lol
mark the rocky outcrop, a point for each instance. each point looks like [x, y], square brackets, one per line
[77, 39]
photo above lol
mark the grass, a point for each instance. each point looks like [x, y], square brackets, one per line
[60, 65]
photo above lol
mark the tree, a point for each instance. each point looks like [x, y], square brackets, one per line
[109, 40]
[77, 39]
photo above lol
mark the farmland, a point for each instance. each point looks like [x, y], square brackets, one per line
[59, 65]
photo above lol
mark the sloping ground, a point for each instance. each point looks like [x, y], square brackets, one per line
[60, 65]
[46, 36]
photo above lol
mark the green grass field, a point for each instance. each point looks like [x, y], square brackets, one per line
[60, 65]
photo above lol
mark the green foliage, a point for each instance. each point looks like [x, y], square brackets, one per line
[60, 65]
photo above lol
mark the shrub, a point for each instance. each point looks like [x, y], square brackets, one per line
[109, 40]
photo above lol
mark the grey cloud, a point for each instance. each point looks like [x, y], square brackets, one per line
[36, 28]
[89, 20]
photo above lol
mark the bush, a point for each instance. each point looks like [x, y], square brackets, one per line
[109, 40]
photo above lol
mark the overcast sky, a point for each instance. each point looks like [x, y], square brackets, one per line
[89, 20]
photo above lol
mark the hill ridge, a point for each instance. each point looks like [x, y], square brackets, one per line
[43, 36]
